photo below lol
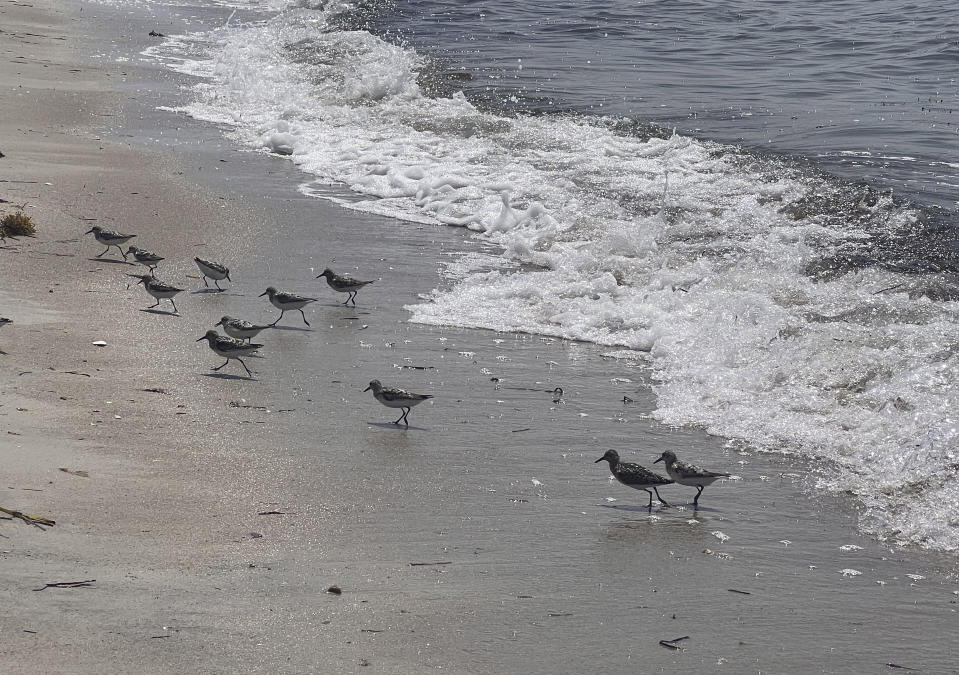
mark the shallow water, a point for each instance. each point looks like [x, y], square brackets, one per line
[774, 304]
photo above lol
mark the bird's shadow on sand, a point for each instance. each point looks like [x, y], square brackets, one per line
[150, 310]
[401, 427]
[229, 376]
[111, 260]
[205, 291]
[304, 329]
[673, 507]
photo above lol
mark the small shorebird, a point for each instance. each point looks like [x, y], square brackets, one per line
[147, 258]
[157, 289]
[635, 476]
[110, 238]
[392, 397]
[239, 329]
[342, 284]
[229, 348]
[213, 270]
[685, 473]
[284, 300]
[3, 322]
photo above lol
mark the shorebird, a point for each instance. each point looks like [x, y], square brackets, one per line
[343, 284]
[4, 321]
[685, 473]
[392, 397]
[635, 476]
[157, 289]
[239, 329]
[146, 258]
[110, 238]
[229, 348]
[213, 270]
[284, 300]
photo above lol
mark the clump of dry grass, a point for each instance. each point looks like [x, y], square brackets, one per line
[17, 224]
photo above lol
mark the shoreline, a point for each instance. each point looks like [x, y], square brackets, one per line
[478, 541]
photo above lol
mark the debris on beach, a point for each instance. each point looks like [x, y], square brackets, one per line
[99, 343]
[335, 590]
[671, 644]
[850, 572]
[72, 472]
[17, 224]
[36, 521]
[67, 584]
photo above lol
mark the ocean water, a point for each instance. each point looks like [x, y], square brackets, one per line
[757, 198]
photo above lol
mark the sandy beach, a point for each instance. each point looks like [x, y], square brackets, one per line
[282, 523]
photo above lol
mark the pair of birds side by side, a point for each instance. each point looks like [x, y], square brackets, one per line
[641, 478]
[288, 301]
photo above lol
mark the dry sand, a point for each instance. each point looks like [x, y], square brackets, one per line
[214, 512]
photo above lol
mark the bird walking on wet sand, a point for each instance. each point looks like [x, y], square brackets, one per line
[239, 329]
[685, 473]
[635, 476]
[284, 300]
[110, 238]
[3, 322]
[229, 348]
[392, 397]
[213, 270]
[149, 259]
[343, 284]
[157, 289]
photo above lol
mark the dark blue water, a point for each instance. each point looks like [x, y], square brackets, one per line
[867, 90]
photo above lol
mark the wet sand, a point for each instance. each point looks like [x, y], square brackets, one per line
[217, 510]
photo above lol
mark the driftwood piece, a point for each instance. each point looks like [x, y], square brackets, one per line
[67, 584]
[37, 521]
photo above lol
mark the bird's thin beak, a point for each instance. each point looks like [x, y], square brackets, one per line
[218, 323]
[88, 231]
[261, 294]
[599, 460]
[658, 460]
[202, 338]
[368, 388]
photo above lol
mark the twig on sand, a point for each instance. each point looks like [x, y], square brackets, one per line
[37, 521]
[896, 665]
[67, 584]
[425, 564]
[733, 590]
[671, 644]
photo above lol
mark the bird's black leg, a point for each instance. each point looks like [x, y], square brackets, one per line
[120, 250]
[278, 319]
[650, 505]
[224, 363]
[205, 284]
[153, 269]
[347, 301]
[172, 303]
[244, 367]
[353, 298]
[104, 253]
[304, 318]
[696, 498]
[217, 285]
[397, 420]
[658, 497]
[406, 411]
[154, 305]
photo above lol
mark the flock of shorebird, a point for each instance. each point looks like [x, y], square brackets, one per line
[237, 342]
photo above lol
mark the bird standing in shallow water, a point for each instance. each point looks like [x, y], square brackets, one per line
[229, 348]
[110, 238]
[685, 473]
[343, 284]
[635, 476]
[392, 397]
[284, 300]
